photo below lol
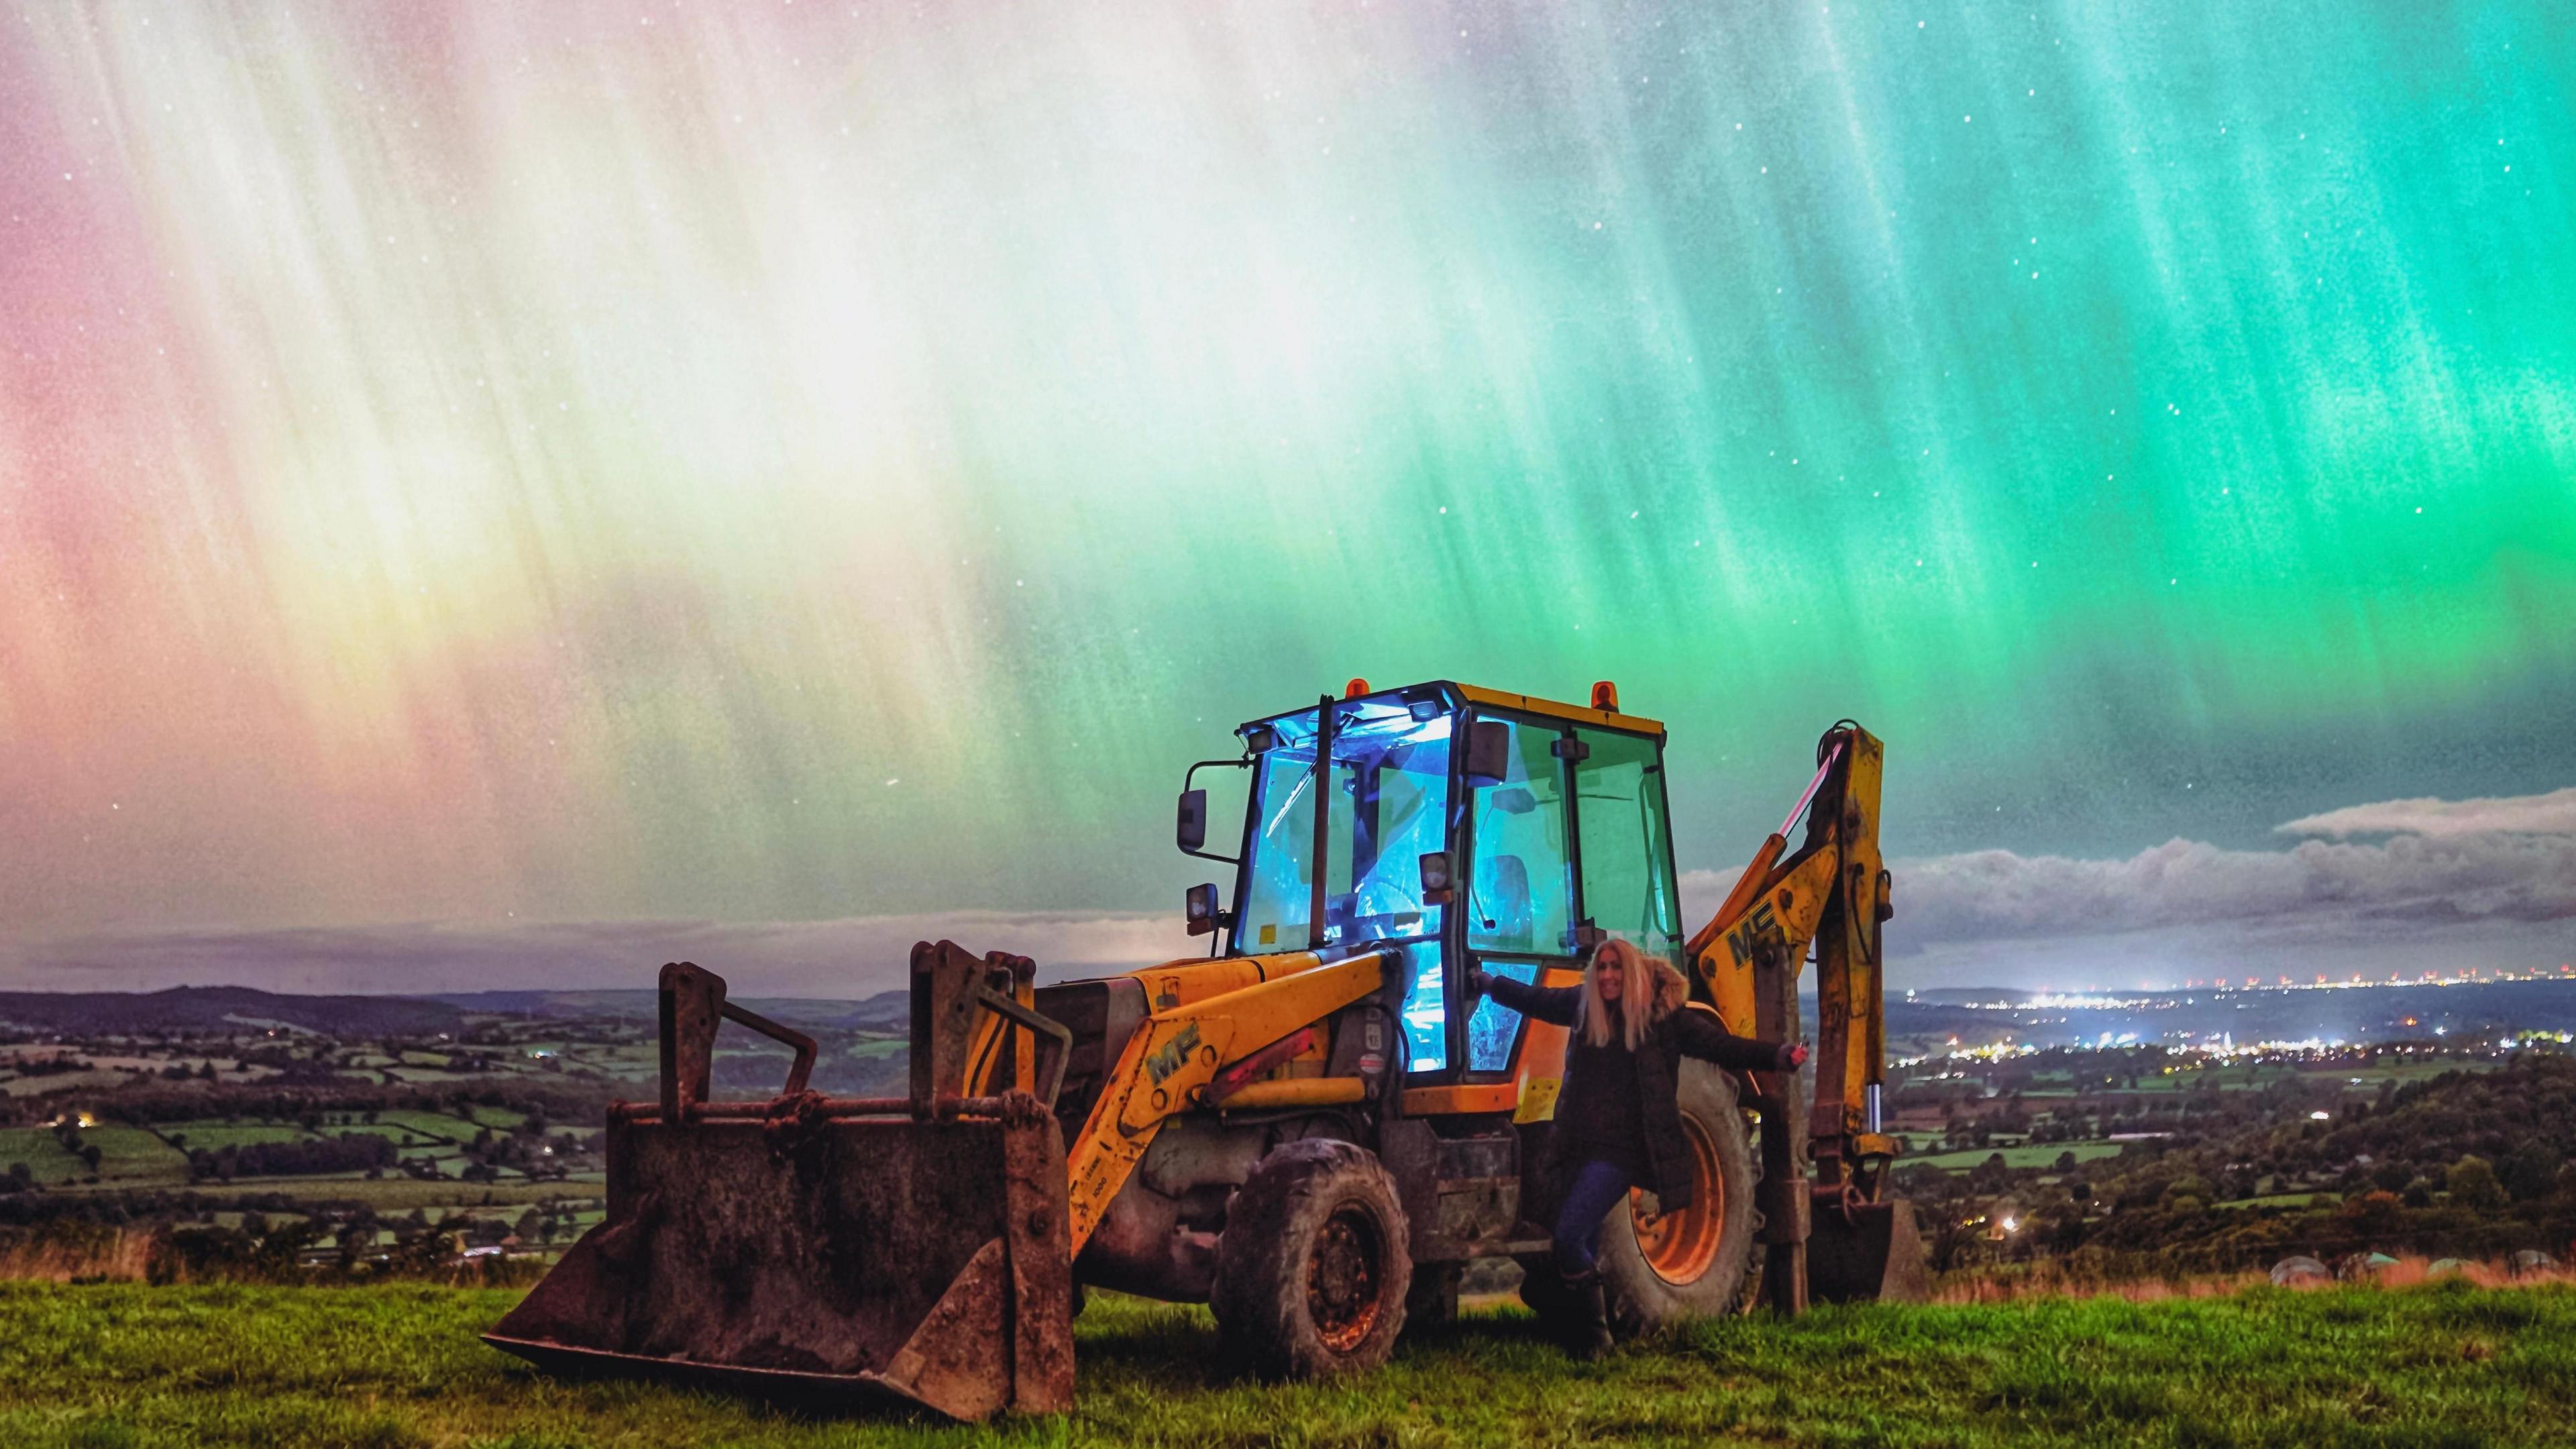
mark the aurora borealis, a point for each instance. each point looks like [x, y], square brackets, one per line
[483, 471]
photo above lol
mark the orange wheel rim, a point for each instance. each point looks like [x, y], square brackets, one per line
[1681, 1245]
[1343, 1274]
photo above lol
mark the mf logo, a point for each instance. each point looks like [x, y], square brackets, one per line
[1757, 927]
[1173, 1054]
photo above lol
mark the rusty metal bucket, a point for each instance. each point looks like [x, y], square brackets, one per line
[1862, 1251]
[909, 1249]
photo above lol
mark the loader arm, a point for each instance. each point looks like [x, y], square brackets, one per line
[1169, 1061]
[1828, 896]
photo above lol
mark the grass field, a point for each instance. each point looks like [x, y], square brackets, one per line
[2275, 1200]
[2430, 1368]
[140, 1157]
[2043, 1155]
[214, 1136]
[42, 1153]
[436, 1125]
[134, 1155]
[400, 1194]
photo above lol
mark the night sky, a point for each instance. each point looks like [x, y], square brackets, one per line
[494, 494]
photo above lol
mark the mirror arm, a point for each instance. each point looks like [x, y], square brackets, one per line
[1189, 782]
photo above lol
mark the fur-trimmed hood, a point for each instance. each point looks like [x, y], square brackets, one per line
[1672, 993]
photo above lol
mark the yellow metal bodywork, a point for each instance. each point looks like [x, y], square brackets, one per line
[1207, 1014]
[1558, 709]
[1830, 895]
[1851, 1018]
[1779, 915]
[1297, 1092]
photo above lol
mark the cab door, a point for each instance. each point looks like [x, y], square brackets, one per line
[1518, 909]
[1624, 840]
[1575, 844]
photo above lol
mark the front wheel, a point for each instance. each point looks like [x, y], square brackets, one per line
[1665, 1268]
[1313, 1268]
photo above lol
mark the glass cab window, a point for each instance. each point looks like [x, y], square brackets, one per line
[1520, 897]
[1386, 790]
[1278, 876]
[1520, 891]
[1494, 1027]
[1627, 846]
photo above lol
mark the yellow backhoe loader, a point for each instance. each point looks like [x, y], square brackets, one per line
[1310, 1129]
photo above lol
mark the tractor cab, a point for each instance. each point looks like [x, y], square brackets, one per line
[1457, 824]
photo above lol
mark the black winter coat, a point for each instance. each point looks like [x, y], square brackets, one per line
[1681, 1033]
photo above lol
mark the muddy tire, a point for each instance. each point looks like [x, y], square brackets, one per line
[1667, 1269]
[1312, 1271]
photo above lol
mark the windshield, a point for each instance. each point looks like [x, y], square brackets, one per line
[1388, 795]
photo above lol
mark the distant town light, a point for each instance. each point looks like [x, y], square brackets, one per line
[2320, 1116]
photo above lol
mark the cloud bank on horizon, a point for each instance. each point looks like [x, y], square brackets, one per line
[2550, 814]
[2488, 883]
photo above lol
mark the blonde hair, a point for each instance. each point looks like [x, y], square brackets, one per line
[1651, 980]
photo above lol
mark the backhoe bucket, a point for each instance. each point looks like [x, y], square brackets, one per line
[910, 1249]
[1859, 1251]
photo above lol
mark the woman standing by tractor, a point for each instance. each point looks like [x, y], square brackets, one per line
[1618, 1119]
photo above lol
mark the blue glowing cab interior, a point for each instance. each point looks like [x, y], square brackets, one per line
[1463, 825]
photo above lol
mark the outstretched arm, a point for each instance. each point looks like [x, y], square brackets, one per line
[1699, 1035]
[1553, 1004]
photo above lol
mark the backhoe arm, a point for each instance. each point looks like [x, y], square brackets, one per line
[1829, 896]
[1168, 1065]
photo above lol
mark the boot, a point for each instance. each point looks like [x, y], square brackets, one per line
[1587, 1320]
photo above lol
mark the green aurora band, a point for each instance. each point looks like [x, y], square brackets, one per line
[620, 461]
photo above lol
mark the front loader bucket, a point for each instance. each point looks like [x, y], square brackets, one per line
[1866, 1250]
[830, 1251]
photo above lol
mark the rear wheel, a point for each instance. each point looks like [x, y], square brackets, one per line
[1659, 1268]
[1313, 1269]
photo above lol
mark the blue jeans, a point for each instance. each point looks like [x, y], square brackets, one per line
[1595, 1191]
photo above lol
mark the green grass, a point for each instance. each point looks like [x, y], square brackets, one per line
[401, 1194]
[2043, 1155]
[2358, 1368]
[430, 1124]
[385, 1130]
[2276, 1199]
[134, 1155]
[43, 1155]
[127, 1156]
[214, 1135]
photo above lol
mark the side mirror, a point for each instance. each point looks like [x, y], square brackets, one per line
[1192, 832]
[1489, 753]
[1437, 888]
[1515, 801]
[1198, 907]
